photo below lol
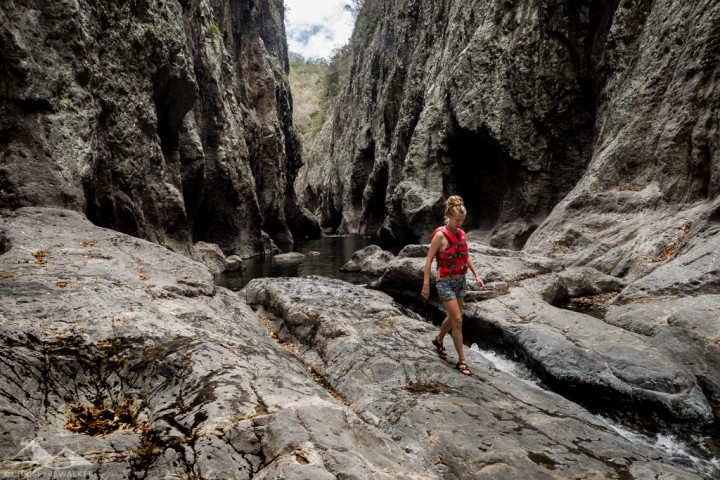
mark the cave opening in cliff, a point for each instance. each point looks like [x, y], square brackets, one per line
[173, 98]
[483, 174]
[374, 211]
[363, 165]
[368, 186]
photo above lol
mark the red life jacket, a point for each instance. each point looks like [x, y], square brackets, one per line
[454, 260]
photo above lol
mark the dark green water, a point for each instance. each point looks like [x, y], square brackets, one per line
[335, 251]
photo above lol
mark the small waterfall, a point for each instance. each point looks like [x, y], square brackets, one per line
[690, 454]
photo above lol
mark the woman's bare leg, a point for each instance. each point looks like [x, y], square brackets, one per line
[454, 321]
[446, 324]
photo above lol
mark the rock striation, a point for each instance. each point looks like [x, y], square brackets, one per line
[121, 359]
[167, 120]
[603, 113]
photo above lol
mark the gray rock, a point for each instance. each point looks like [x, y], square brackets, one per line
[97, 319]
[482, 110]
[211, 256]
[686, 329]
[490, 425]
[583, 357]
[590, 360]
[269, 246]
[291, 257]
[621, 215]
[234, 263]
[412, 250]
[525, 109]
[371, 259]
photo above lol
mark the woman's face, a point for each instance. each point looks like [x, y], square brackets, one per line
[456, 221]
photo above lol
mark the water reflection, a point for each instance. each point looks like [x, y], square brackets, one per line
[334, 251]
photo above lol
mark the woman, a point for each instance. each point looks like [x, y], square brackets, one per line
[449, 248]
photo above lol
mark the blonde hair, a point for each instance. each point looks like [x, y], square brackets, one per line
[455, 205]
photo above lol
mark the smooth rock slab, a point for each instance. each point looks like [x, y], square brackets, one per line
[592, 361]
[95, 318]
[490, 425]
[687, 329]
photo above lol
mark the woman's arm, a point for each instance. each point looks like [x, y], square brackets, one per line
[434, 247]
[480, 283]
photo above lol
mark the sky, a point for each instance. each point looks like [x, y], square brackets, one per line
[315, 27]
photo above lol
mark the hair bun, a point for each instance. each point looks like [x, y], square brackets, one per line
[455, 201]
[454, 204]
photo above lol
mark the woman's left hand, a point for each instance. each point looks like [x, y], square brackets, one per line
[480, 283]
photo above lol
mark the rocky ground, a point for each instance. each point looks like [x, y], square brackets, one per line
[489, 425]
[653, 356]
[121, 359]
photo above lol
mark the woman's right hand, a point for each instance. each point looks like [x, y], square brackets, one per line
[426, 291]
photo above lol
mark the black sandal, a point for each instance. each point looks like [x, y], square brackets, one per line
[439, 347]
[462, 368]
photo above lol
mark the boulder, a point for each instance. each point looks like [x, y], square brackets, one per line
[292, 257]
[371, 259]
[211, 256]
[234, 263]
[414, 251]
[269, 246]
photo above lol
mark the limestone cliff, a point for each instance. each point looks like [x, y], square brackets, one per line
[515, 105]
[166, 119]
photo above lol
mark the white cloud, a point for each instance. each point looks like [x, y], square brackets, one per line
[315, 27]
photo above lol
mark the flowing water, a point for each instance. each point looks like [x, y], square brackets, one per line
[333, 251]
[691, 454]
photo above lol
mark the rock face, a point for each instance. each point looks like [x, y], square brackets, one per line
[96, 323]
[488, 426]
[168, 120]
[611, 106]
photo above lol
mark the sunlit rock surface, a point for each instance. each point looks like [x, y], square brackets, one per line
[372, 260]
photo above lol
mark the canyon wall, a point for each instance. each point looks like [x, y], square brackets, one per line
[523, 108]
[166, 119]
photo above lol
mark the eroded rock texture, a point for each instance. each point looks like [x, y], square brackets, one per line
[93, 320]
[515, 105]
[168, 120]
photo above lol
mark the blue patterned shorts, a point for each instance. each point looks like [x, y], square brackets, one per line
[451, 289]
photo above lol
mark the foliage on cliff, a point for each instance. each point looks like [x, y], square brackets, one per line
[307, 82]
